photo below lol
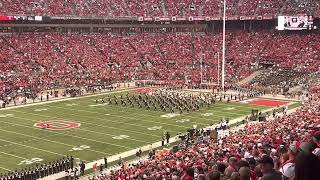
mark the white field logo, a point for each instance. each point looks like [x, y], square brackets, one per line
[170, 115]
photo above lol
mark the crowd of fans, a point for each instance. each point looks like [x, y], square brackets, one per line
[286, 147]
[156, 8]
[41, 61]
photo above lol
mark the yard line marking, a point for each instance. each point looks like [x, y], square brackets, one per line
[216, 106]
[111, 127]
[191, 115]
[125, 117]
[105, 120]
[32, 147]
[66, 134]
[97, 132]
[19, 157]
[51, 141]
[6, 169]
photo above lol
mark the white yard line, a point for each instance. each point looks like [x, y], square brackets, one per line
[105, 120]
[100, 125]
[186, 115]
[19, 157]
[132, 152]
[84, 129]
[112, 135]
[146, 115]
[51, 141]
[6, 169]
[124, 117]
[111, 144]
[32, 147]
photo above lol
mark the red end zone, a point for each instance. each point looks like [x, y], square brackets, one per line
[144, 90]
[267, 102]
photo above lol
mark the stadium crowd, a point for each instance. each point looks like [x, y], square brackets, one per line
[286, 147]
[157, 8]
[67, 60]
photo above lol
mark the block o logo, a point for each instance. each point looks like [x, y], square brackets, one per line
[57, 125]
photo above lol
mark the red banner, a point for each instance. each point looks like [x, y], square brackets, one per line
[7, 18]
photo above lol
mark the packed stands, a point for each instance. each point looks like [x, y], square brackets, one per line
[64, 60]
[157, 8]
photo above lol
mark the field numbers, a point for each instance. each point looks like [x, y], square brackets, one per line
[80, 148]
[121, 137]
[30, 161]
[72, 104]
[154, 128]
[170, 115]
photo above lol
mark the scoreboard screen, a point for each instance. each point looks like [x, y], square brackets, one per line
[300, 22]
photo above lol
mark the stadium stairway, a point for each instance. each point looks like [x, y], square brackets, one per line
[249, 78]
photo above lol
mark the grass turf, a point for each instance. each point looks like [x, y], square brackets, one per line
[100, 127]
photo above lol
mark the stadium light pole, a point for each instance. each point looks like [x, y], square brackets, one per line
[223, 45]
[201, 56]
[218, 68]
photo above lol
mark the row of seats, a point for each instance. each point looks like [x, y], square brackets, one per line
[47, 60]
[155, 8]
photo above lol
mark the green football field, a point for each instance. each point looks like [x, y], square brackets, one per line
[105, 129]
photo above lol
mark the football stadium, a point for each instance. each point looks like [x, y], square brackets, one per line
[159, 90]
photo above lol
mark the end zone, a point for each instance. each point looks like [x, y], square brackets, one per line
[266, 102]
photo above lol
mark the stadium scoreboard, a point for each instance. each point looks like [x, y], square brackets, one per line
[299, 22]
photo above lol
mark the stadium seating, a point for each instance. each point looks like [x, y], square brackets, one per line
[64, 60]
[156, 8]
